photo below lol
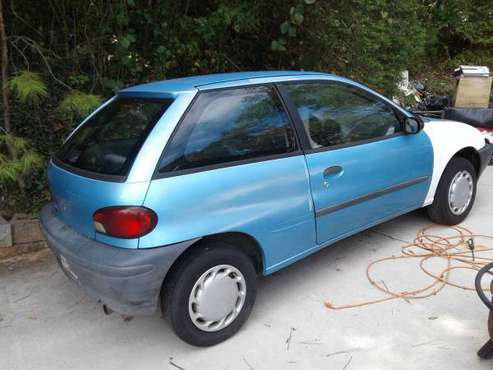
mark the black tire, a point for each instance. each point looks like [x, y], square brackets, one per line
[440, 211]
[176, 294]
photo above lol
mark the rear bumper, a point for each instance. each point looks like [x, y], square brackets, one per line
[126, 280]
[485, 156]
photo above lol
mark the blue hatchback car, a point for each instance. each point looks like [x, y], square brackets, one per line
[177, 194]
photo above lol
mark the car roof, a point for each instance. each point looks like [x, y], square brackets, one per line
[184, 84]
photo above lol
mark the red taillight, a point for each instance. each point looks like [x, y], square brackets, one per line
[125, 222]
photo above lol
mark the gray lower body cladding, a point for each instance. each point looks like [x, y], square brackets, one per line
[126, 280]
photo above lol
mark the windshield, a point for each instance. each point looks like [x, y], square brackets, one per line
[110, 140]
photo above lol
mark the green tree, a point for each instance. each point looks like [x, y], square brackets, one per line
[61, 58]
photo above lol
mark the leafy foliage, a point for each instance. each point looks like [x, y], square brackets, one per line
[77, 104]
[25, 162]
[28, 87]
[83, 54]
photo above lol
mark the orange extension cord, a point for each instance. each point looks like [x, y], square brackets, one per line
[425, 247]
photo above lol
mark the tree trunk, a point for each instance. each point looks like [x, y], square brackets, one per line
[4, 59]
[4, 62]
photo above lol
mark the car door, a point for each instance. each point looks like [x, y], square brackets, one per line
[363, 169]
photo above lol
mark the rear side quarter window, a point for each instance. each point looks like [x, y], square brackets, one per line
[229, 125]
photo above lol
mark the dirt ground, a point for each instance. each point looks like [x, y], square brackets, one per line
[47, 322]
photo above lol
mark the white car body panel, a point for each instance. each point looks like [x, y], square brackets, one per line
[447, 138]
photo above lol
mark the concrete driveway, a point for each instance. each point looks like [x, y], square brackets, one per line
[46, 322]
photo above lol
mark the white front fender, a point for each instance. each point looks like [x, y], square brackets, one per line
[447, 138]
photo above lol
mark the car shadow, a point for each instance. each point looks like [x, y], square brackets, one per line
[340, 260]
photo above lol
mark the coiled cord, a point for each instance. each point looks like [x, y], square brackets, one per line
[425, 246]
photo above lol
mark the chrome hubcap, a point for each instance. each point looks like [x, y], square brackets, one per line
[460, 192]
[217, 298]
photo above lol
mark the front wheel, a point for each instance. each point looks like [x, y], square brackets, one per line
[455, 193]
[211, 294]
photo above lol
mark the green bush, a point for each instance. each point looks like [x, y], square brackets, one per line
[77, 104]
[25, 162]
[28, 87]
[82, 54]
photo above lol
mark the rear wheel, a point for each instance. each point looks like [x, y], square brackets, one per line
[455, 193]
[211, 294]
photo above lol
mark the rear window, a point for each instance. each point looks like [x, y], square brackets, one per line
[110, 140]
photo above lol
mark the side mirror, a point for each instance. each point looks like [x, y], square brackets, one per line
[413, 125]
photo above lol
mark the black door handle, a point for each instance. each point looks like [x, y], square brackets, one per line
[333, 170]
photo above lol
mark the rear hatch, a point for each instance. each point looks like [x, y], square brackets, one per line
[90, 170]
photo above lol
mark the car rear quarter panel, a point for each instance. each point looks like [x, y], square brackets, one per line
[268, 200]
